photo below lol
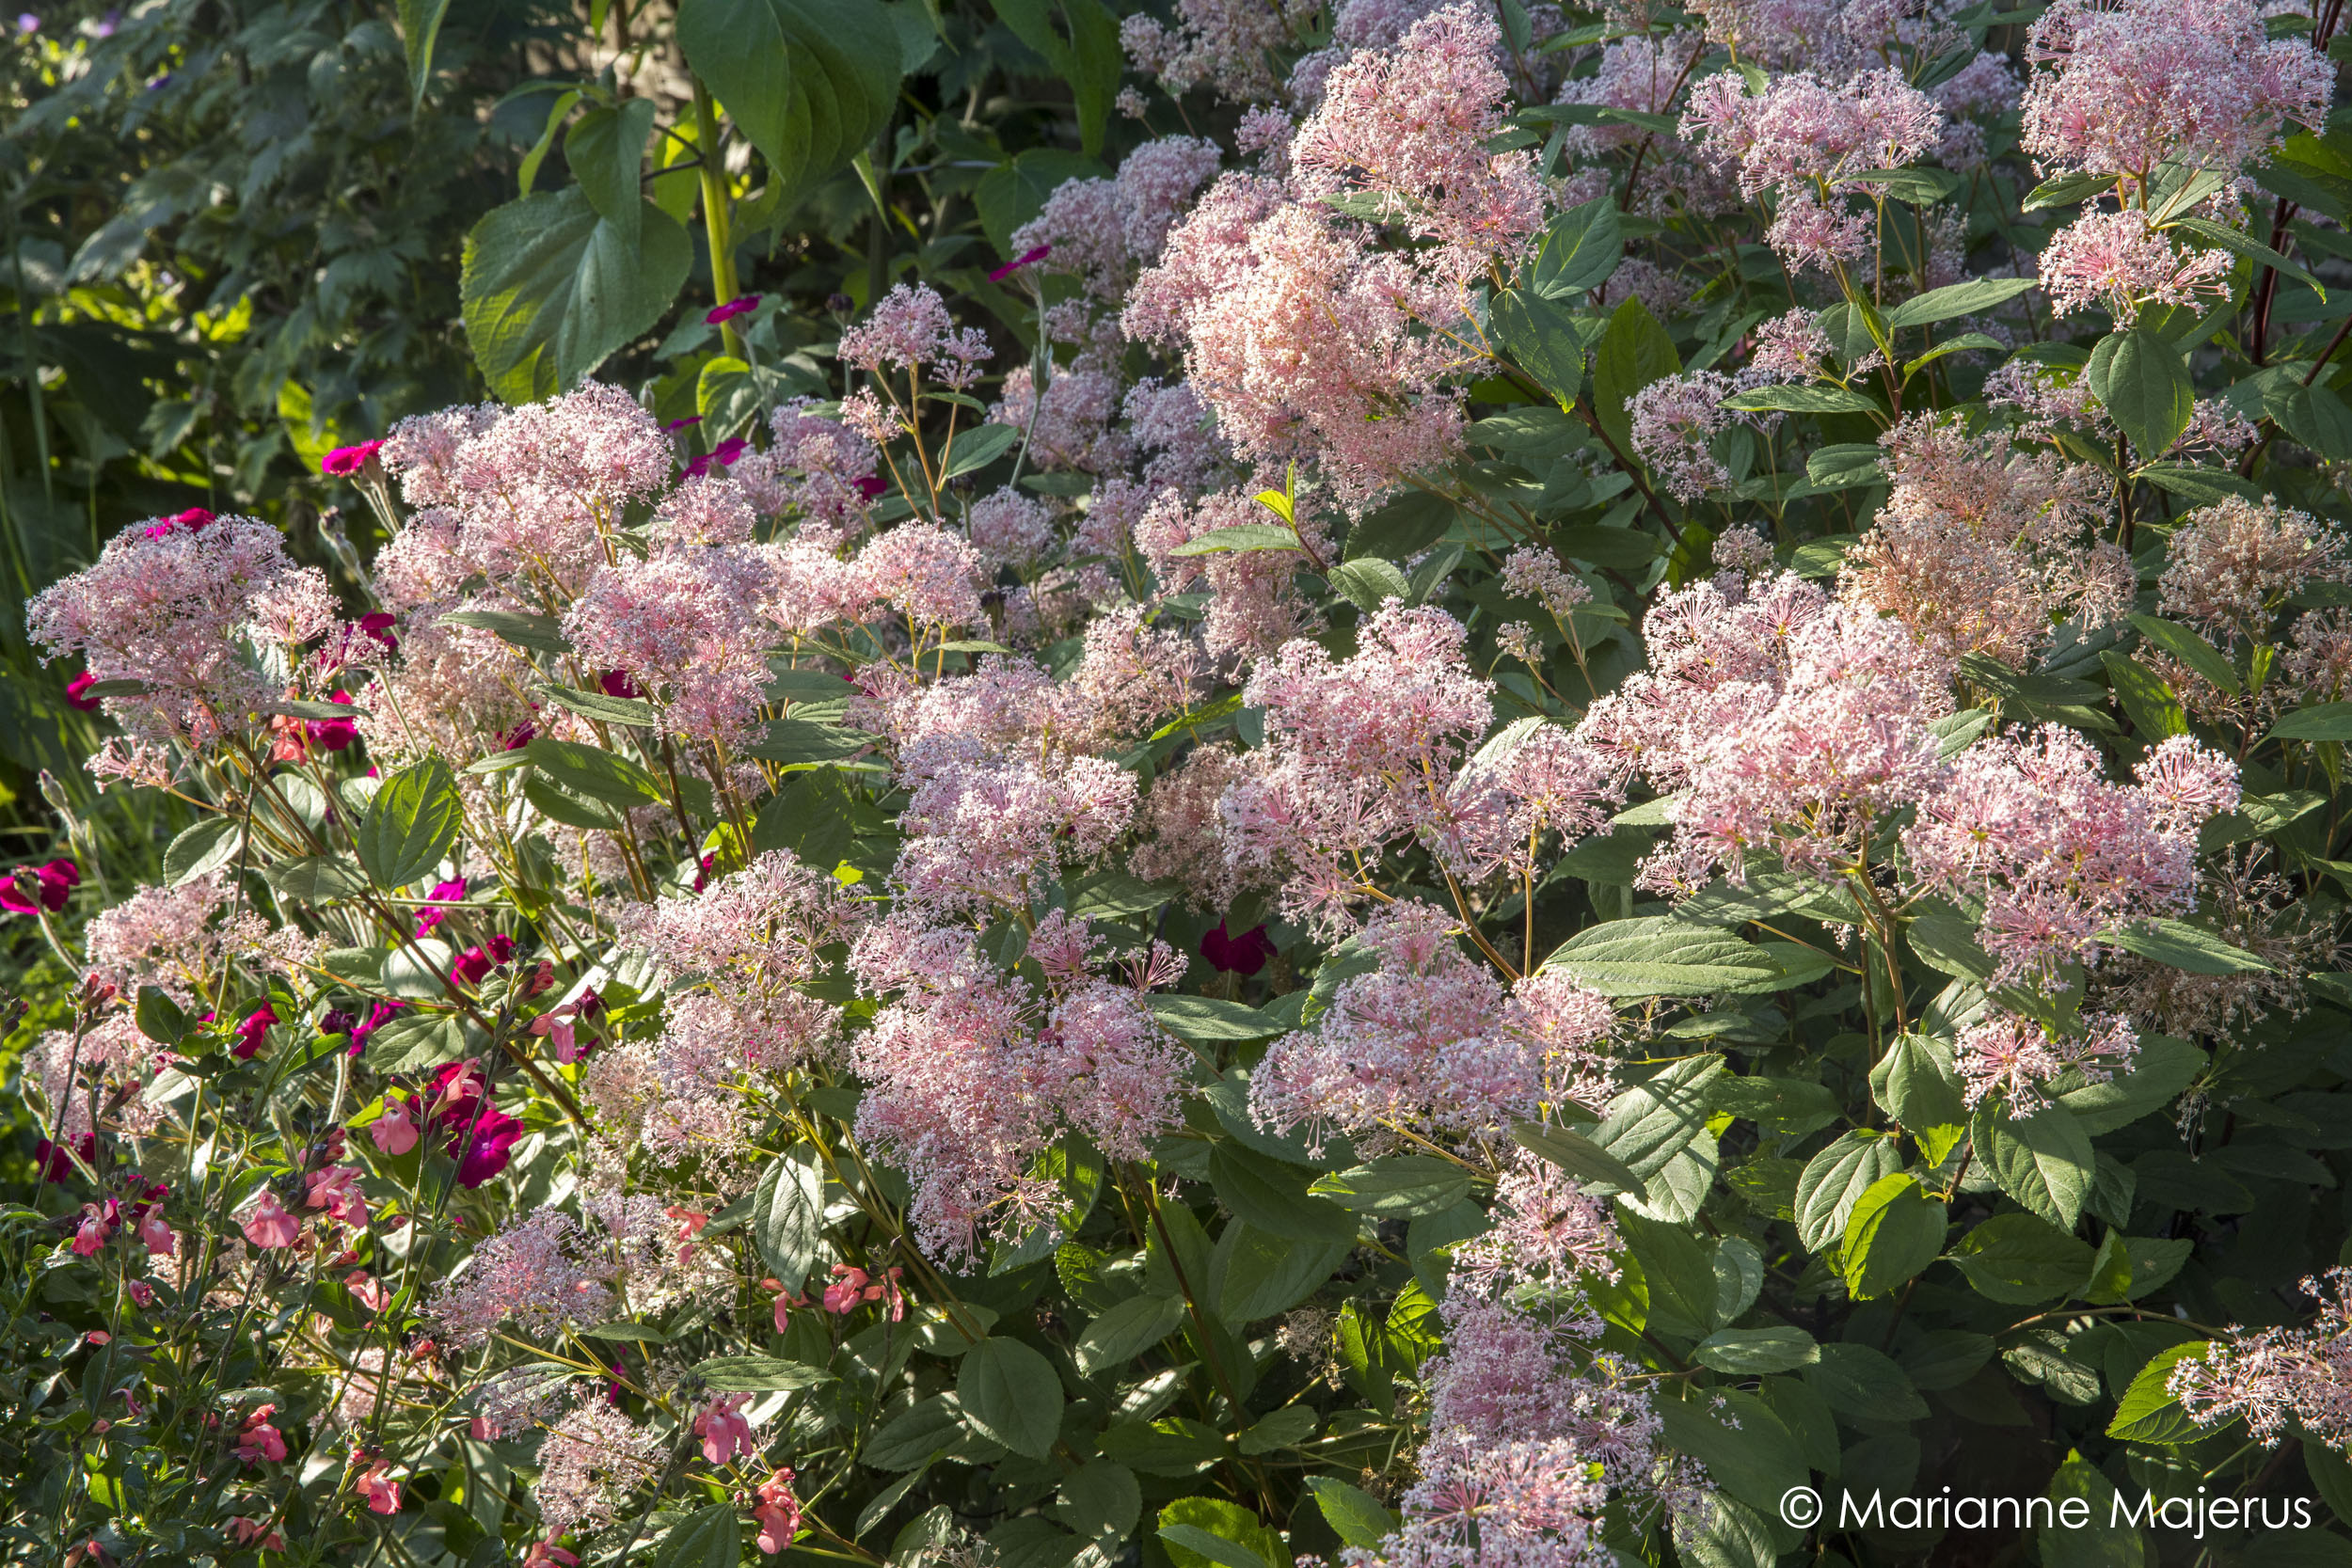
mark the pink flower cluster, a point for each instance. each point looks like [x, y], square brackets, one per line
[1426, 1039]
[2056, 856]
[971, 1073]
[2280, 1379]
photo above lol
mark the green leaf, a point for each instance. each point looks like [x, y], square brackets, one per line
[1753, 1352]
[204, 848]
[1255, 1274]
[535, 633]
[2043, 1161]
[978, 446]
[747, 1373]
[159, 1016]
[1241, 536]
[1835, 1178]
[411, 823]
[1199, 1530]
[1801, 399]
[1634, 351]
[1592, 1165]
[1359, 1519]
[605, 710]
[708, 1538]
[2023, 1259]
[1274, 1198]
[2238, 244]
[572, 811]
[1286, 1427]
[1127, 1330]
[2320, 722]
[551, 289]
[1403, 528]
[788, 1215]
[2150, 1412]
[2189, 948]
[1894, 1230]
[1580, 248]
[1732, 1535]
[1865, 1383]
[2141, 380]
[2190, 649]
[1974, 297]
[1845, 465]
[2155, 710]
[809, 82]
[316, 879]
[597, 774]
[605, 149]
[1100, 1500]
[1539, 333]
[1748, 1450]
[1015, 191]
[1400, 1186]
[1661, 956]
[2102, 1539]
[1917, 1084]
[1212, 1549]
[2065, 190]
[1370, 583]
[1211, 1020]
[1651, 1123]
[419, 29]
[1011, 1394]
[1079, 41]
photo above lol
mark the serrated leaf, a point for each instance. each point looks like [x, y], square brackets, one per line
[202, 849]
[1974, 297]
[601, 706]
[1661, 956]
[2139, 379]
[2192, 949]
[749, 1373]
[551, 289]
[1754, 1352]
[1241, 536]
[1834, 1180]
[410, 825]
[788, 1215]
[1126, 1330]
[2043, 1161]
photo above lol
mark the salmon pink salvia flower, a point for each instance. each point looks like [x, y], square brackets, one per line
[724, 1428]
[269, 1225]
[778, 1512]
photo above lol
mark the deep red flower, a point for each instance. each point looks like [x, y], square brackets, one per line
[39, 887]
[1246, 953]
[475, 963]
[378, 623]
[615, 683]
[350, 460]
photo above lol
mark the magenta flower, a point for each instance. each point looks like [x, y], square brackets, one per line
[443, 892]
[252, 1032]
[615, 683]
[732, 308]
[719, 456]
[681, 424]
[378, 623]
[349, 460]
[1027, 257]
[475, 963]
[44, 887]
[334, 735]
[483, 1146]
[75, 688]
[196, 519]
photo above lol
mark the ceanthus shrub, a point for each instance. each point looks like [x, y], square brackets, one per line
[1595, 798]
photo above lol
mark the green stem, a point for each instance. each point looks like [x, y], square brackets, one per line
[717, 221]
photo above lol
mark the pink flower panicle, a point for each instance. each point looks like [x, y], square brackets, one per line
[2280, 1380]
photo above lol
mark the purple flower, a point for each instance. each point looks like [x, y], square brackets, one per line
[1246, 953]
[27, 23]
[379, 1014]
[1027, 257]
[732, 308]
[42, 887]
[349, 460]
